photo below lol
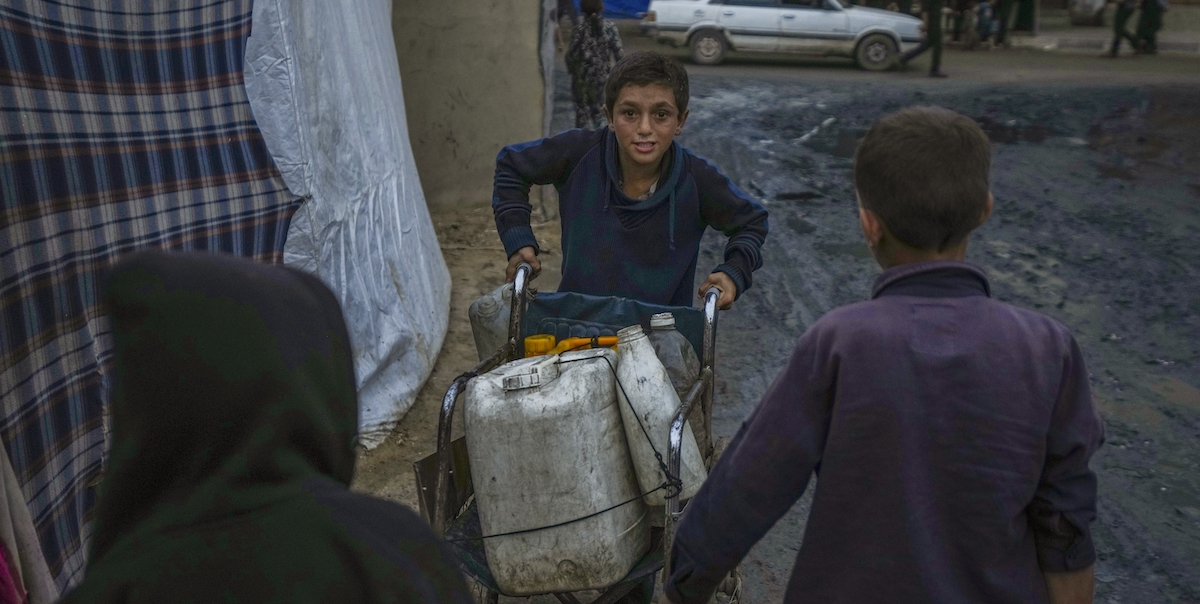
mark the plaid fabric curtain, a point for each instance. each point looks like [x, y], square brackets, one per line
[124, 125]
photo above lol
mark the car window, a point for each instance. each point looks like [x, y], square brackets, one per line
[804, 3]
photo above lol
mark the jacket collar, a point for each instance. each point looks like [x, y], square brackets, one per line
[934, 279]
[666, 185]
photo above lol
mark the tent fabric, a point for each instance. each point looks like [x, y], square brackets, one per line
[324, 83]
[623, 9]
[125, 126]
[19, 538]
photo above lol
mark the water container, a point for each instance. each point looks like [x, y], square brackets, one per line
[679, 359]
[545, 344]
[645, 381]
[546, 445]
[489, 320]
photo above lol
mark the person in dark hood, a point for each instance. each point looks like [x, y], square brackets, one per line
[595, 47]
[234, 423]
[633, 202]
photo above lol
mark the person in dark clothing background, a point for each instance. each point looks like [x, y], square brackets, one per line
[633, 202]
[1004, 17]
[1149, 24]
[960, 8]
[594, 48]
[1024, 22]
[932, 14]
[1125, 9]
[951, 433]
[565, 11]
[234, 417]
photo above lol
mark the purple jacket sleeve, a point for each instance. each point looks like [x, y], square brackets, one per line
[540, 162]
[1065, 503]
[736, 214]
[759, 477]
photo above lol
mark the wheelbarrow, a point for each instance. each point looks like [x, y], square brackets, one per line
[445, 492]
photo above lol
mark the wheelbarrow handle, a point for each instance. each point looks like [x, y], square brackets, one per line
[525, 268]
[520, 285]
[711, 297]
[674, 507]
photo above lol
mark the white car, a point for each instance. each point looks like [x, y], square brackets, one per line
[872, 37]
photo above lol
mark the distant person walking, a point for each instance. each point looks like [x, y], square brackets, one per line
[959, 7]
[1149, 24]
[1023, 22]
[932, 12]
[595, 47]
[986, 25]
[1125, 9]
[1003, 14]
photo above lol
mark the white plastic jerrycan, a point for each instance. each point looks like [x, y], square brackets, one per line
[489, 320]
[681, 363]
[546, 446]
[653, 401]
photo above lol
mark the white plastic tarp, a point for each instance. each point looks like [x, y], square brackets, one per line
[324, 85]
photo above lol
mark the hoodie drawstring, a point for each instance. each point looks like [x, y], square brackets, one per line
[671, 217]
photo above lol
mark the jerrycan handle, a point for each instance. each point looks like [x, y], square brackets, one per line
[520, 285]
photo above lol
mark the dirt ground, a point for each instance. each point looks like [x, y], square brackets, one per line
[1096, 174]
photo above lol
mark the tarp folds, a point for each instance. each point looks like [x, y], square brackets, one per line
[621, 9]
[625, 9]
[324, 85]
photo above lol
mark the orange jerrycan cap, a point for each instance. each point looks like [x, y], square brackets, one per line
[539, 344]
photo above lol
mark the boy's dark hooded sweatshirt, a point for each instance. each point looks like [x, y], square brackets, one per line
[234, 418]
[614, 245]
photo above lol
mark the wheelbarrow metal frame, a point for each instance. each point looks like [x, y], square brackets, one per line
[701, 393]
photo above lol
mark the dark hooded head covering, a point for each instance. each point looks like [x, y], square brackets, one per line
[234, 418]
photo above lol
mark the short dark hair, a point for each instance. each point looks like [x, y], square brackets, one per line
[591, 7]
[643, 69]
[925, 172]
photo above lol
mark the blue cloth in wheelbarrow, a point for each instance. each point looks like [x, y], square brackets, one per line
[572, 315]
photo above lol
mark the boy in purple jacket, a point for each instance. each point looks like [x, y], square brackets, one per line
[951, 432]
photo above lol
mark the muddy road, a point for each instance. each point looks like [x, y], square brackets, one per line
[1097, 224]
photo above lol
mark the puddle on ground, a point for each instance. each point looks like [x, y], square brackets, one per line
[1179, 393]
[1009, 132]
[814, 196]
[800, 226]
[1108, 170]
[857, 250]
[1139, 414]
[847, 144]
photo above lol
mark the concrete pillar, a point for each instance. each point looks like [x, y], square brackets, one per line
[473, 83]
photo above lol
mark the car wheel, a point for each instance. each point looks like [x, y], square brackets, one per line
[708, 47]
[876, 52]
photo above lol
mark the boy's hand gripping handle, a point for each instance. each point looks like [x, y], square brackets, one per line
[520, 285]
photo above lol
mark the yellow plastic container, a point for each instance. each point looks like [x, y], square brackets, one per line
[539, 344]
[543, 344]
